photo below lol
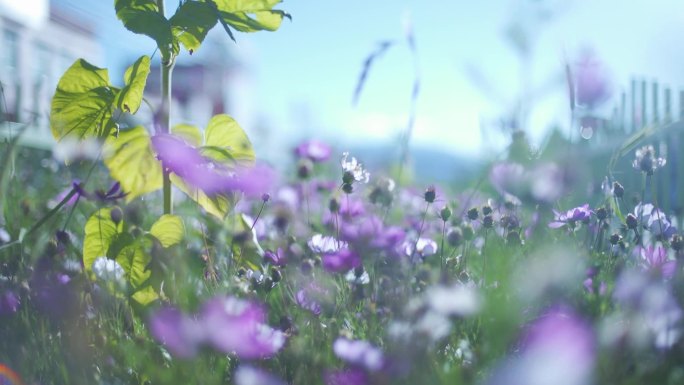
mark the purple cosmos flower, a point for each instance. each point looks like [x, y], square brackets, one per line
[314, 150]
[390, 240]
[346, 377]
[557, 349]
[277, 258]
[571, 217]
[359, 353]
[237, 326]
[228, 324]
[51, 290]
[508, 178]
[207, 175]
[341, 261]
[591, 81]
[589, 285]
[249, 375]
[311, 296]
[181, 334]
[651, 307]
[9, 303]
[362, 231]
[655, 259]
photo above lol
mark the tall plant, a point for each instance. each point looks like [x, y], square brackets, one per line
[86, 106]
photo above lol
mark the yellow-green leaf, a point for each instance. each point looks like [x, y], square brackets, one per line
[134, 260]
[169, 230]
[191, 23]
[218, 205]
[135, 78]
[82, 104]
[227, 142]
[145, 296]
[100, 231]
[143, 17]
[250, 15]
[189, 133]
[132, 162]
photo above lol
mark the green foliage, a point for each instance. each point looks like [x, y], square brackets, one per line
[192, 22]
[168, 230]
[100, 232]
[84, 102]
[143, 17]
[132, 162]
[194, 19]
[225, 142]
[104, 237]
[247, 252]
[135, 78]
[82, 105]
[250, 15]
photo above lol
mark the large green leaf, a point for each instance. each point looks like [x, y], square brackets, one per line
[249, 15]
[146, 295]
[189, 133]
[100, 232]
[217, 205]
[169, 230]
[192, 22]
[132, 162]
[143, 17]
[227, 142]
[135, 259]
[82, 104]
[135, 78]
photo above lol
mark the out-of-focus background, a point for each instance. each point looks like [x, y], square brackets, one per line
[486, 69]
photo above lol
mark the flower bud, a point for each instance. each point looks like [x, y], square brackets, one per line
[430, 194]
[455, 236]
[473, 214]
[116, 214]
[615, 238]
[486, 210]
[631, 221]
[618, 190]
[445, 213]
[488, 221]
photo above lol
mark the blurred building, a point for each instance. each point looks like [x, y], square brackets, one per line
[40, 41]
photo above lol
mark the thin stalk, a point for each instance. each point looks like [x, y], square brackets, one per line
[167, 63]
[442, 245]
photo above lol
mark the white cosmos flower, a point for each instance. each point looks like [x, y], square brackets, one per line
[355, 168]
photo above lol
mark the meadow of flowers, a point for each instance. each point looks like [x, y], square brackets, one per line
[327, 272]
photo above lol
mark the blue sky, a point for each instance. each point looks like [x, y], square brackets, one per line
[302, 77]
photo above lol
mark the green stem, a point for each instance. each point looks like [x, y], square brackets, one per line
[167, 63]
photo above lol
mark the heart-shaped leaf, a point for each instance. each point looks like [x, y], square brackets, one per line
[168, 230]
[132, 162]
[135, 78]
[100, 232]
[191, 23]
[82, 104]
[249, 15]
[143, 17]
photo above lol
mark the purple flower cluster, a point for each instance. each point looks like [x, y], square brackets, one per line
[228, 324]
[206, 174]
[581, 214]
